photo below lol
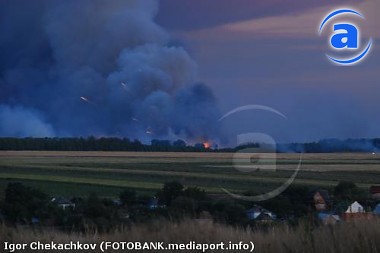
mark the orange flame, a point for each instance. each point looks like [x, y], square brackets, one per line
[207, 145]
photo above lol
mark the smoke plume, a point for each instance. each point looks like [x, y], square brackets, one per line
[93, 67]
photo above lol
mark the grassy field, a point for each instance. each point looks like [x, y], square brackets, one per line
[361, 236]
[107, 173]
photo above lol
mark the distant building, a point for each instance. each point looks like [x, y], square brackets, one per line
[123, 214]
[35, 221]
[63, 203]
[356, 211]
[117, 202]
[258, 213]
[355, 208]
[375, 191]
[153, 204]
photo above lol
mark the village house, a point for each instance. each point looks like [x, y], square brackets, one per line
[355, 208]
[153, 203]
[117, 202]
[260, 214]
[356, 211]
[63, 203]
[35, 221]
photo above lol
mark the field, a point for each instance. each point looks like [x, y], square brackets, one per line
[107, 173]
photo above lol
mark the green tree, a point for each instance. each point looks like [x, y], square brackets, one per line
[229, 212]
[100, 213]
[179, 144]
[346, 190]
[170, 191]
[21, 203]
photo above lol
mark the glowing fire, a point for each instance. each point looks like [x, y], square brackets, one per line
[207, 145]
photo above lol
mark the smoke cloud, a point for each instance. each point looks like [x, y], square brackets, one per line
[93, 67]
[20, 121]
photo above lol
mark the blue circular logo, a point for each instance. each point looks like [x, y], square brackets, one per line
[345, 36]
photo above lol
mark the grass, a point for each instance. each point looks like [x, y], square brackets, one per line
[350, 237]
[79, 173]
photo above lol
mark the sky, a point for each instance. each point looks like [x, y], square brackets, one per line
[269, 53]
[170, 69]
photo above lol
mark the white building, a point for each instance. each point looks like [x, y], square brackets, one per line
[355, 208]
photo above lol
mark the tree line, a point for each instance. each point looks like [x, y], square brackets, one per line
[126, 144]
[97, 144]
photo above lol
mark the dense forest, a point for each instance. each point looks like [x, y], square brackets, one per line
[96, 144]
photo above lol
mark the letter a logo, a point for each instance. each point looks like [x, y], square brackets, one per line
[346, 36]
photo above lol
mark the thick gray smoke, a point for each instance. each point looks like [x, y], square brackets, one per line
[95, 67]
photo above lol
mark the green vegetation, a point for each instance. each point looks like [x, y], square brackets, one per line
[108, 173]
[181, 212]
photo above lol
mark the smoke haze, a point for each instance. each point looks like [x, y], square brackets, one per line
[103, 68]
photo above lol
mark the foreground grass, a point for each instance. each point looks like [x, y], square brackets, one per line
[347, 237]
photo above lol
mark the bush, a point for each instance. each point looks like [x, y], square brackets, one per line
[128, 197]
[22, 203]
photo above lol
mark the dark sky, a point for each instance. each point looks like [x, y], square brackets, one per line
[170, 68]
